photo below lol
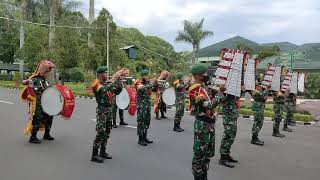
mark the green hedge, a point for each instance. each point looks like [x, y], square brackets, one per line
[6, 77]
[267, 113]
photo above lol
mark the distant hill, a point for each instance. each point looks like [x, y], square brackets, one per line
[284, 46]
[214, 49]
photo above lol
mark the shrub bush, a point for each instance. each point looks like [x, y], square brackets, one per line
[6, 77]
[17, 77]
[76, 75]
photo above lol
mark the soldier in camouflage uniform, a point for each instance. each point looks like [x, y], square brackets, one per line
[290, 108]
[204, 130]
[143, 87]
[103, 92]
[180, 89]
[278, 107]
[260, 97]
[38, 83]
[159, 88]
[230, 116]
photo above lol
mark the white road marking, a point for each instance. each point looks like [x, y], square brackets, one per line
[133, 127]
[6, 102]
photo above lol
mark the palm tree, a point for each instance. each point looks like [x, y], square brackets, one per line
[193, 34]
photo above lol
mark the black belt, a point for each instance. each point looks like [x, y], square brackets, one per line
[206, 119]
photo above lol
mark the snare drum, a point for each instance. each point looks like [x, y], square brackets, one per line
[58, 99]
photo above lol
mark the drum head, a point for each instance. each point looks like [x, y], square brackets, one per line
[52, 101]
[123, 99]
[169, 96]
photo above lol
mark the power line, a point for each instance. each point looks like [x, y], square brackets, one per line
[48, 25]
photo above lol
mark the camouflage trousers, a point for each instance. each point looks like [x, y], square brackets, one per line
[103, 126]
[229, 133]
[39, 118]
[114, 114]
[290, 110]
[179, 112]
[203, 147]
[258, 122]
[143, 119]
[278, 111]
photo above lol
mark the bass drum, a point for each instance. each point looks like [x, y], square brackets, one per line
[123, 99]
[52, 101]
[56, 100]
[169, 96]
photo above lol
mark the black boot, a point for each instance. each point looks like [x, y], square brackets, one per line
[103, 153]
[277, 134]
[198, 178]
[95, 157]
[255, 140]
[285, 128]
[114, 124]
[33, 138]
[180, 126]
[224, 161]
[122, 123]
[141, 141]
[148, 141]
[162, 115]
[121, 119]
[205, 176]
[157, 116]
[176, 128]
[292, 123]
[47, 135]
[230, 159]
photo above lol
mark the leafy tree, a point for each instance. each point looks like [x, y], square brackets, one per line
[35, 47]
[312, 86]
[193, 34]
[76, 75]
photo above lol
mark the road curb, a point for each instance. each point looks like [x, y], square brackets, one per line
[268, 119]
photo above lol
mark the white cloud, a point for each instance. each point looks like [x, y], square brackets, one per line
[258, 20]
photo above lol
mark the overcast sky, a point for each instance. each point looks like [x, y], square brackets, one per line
[296, 21]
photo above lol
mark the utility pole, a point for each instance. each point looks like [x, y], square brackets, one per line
[53, 6]
[108, 44]
[91, 19]
[23, 5]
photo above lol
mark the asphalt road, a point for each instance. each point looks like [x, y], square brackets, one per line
[295, 157]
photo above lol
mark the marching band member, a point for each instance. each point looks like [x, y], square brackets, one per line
[180, 89]
[230, 116]
[204, 130]
[103, 91]
[35, 85]
[290, 103]
[118, 77]
[159, 88]
[259, 96]
[278, 108]
[143, 87]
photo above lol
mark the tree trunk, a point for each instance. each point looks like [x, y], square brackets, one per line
[23, 5]
[193, 54]
[53, 7]
[91, 19]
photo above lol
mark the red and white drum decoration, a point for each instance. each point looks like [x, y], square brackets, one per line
[249, 75]
[294, 83]
[58, 99]
[229, 72]
[275, 83]
[285, 86]
[268, 76]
